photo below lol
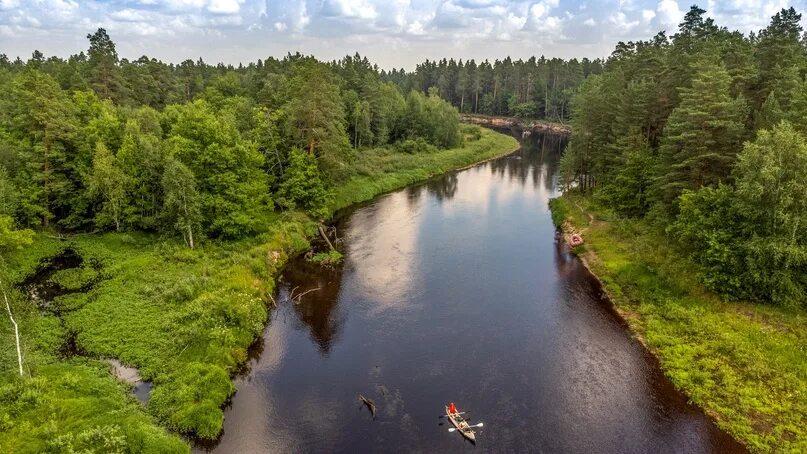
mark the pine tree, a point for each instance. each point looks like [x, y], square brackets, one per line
[42, 120]
[702, 136]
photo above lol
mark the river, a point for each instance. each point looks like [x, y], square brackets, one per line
[457, 290]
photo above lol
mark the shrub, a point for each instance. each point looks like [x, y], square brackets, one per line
[413, 146]
[189, 400]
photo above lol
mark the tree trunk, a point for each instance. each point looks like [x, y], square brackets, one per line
[325, 237]
[190, 237]
[462, 101]
[45, 178]
[16, 330]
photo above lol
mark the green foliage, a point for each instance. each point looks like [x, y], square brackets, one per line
[302, 186]
[232, 187]
[182, 202]
[109, 182]
[703, 134]
[771, 179]
[316, 117]
[76, 406]
[382, 169]
[330, 258]
[433, 119]
[559, 211]
[191, 398]
[74, 278]
[629, 190]
[412, 146]
[750, 239]
[741, 362]
[103, 439]
[11, 238]
[470, 132]
[535, 88]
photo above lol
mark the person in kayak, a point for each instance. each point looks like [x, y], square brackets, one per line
[452, 408]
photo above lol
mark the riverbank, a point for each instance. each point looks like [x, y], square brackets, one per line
[383, 169]
[744, 364]
[184, 318]
[524, 124]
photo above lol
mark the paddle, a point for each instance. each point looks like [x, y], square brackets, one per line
[469, 427]
[459, 413]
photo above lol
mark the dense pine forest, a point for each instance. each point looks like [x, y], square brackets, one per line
[535, 88]
[704, 133]
[98, 142]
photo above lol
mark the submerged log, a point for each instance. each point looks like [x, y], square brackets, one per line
[325, 237]
[369, 403]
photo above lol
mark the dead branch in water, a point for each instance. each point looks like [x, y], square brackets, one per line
[369, 403]
[325, 237]
[297, 298]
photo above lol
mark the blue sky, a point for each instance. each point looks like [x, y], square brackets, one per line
[392, 33]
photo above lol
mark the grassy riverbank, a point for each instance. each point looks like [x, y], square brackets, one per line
[382, 170]
[745, 364]
[183, 317]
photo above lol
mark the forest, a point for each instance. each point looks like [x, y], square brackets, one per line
[94, 143]
[213, 175]
[182, 189]
[535, 88]
[703, 134]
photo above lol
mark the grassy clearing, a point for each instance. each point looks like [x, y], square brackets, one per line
[184, 317]
[381, 170]
[745, 364]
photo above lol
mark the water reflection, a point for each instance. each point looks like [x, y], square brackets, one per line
[313, 292]
[443, 188]
[458, 290]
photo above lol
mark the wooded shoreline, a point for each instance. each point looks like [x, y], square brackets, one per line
[525, 124]
[733, 360]
[230, 279]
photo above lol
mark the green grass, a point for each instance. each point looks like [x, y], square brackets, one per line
[745, 364]
[184, 317]
[329, 258]
[381, 170]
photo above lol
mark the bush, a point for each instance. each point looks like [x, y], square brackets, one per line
[414, 146]
[302, 186]
[471, 133]
[329, 258]
[189, 400]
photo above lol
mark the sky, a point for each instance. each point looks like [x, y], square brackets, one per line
[391, 33]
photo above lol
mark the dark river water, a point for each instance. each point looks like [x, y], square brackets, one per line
[457, 290]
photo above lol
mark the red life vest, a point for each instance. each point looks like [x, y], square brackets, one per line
[452, 408]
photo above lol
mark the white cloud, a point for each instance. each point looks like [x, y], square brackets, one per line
[8, 4]
[669, 13]
[224, 6]
[390, 32]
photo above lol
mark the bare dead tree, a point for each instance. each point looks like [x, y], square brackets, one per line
[16, 328]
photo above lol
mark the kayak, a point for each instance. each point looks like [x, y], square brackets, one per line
[461, 424]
